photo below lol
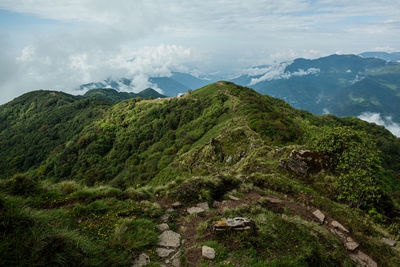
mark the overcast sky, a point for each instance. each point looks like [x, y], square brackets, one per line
[60, 44]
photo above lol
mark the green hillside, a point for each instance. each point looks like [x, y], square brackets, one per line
[86, 181]
[115, 96]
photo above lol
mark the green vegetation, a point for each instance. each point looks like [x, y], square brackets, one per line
[82, 179]
[115, 96]
[354, 159]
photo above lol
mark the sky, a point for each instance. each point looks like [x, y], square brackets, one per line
[60, 44]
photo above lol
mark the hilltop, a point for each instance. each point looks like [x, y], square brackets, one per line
[115, 96]
[88, 181]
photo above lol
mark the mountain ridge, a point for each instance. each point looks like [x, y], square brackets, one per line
[89, 180]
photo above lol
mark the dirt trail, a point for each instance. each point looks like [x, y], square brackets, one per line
[188, 227]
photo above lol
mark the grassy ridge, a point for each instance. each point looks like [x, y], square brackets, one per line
[90, 194]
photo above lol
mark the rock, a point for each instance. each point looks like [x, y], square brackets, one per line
[170, 210]
[338, 226]
[163, 227]
[233, 198]
[195, 210]
[165, 217]
[229, 159]
[340, 234]
[200, 208]
[350, 244]
[176, 204]
[164, 252]
[389, 241]
[319, 215]
[207, 253]
[176, 262]
[304, 162]
[363, 259]
[204, 206]
[143, 260]
[169, 239]
[237, 223]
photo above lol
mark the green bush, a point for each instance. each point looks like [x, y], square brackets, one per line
[354, 158]
[135, 234]
[21, 184]
[203, 188]
[68, 187]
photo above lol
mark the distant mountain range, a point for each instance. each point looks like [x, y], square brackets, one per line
[173, 85]
[115, 96]
[344, 85]
[394, 56]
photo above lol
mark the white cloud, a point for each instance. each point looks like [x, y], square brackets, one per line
[50, 67]
[275, 72]
[387, 121]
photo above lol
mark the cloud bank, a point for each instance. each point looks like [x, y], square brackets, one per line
[65, 68]
[386, 121]
[278, 72]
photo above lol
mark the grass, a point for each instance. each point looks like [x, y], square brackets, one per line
[100, 207]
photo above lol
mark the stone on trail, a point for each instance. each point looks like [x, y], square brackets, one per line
[207, 253]
[389, 241]
[163, 227]
[319, 215]
[338, 226]
[169, 239]
[195, 210]
[350, 244]
[204, 206]
[143, 260]
[200, 208]
[363, 259]
[164, 252]
[233, 198]
[165, 217]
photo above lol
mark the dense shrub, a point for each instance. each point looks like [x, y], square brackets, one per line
[354, 158]
[204, 188]
[135, 234]
[21, 184]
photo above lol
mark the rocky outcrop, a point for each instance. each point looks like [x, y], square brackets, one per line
[304, 162]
